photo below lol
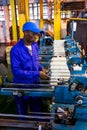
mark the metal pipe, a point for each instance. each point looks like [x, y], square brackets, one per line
[25, 116]
[27, 85]
[14, 19]
[34, 90]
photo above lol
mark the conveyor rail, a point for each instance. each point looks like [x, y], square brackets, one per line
[22, 124]
[45, 92]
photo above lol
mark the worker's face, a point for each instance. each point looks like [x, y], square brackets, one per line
[30, 36]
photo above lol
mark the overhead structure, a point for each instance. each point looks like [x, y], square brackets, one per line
[57, 20]
[14, 19]
[23, 14]
[41, 14]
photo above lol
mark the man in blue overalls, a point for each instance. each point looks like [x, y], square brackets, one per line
[26, 68]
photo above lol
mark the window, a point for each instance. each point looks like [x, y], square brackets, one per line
[34, 10]
[2, 17]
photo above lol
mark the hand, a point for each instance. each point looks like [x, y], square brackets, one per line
[43, 75]
[45, 71]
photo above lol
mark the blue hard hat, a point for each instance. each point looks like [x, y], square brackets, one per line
[30, 26]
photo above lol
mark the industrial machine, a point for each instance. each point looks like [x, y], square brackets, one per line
[46, 50]
[77, 64]
[68, 110]
[70, 100]
[69, 107]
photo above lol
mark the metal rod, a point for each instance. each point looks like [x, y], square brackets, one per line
[23, 89]
[27, 85]
[50, 81]
[45, 54]
[46, 62]
[25, 116]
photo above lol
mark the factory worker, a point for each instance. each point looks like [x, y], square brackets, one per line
[26, 68]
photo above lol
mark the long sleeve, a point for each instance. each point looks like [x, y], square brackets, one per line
[18, 69]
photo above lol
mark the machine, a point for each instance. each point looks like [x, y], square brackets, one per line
[68, 109]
